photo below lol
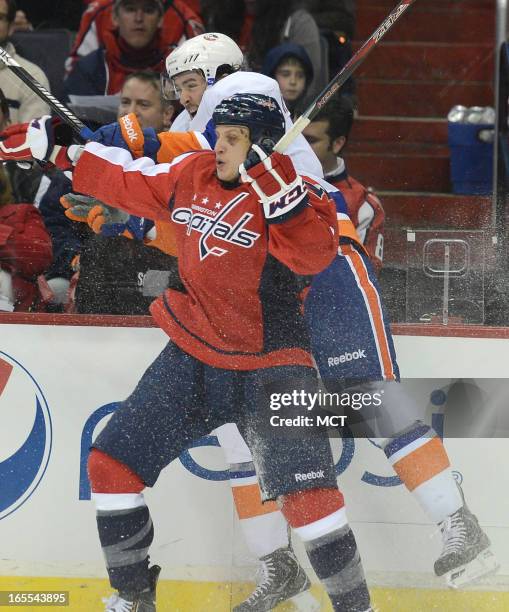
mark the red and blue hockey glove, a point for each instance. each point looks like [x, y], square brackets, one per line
[100, 217]
[45, 139]
[127, 133]
[281, 190]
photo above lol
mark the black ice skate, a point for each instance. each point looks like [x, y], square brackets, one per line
[466, 554]
[145, 601]
[282, 579]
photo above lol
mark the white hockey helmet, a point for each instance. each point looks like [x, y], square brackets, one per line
[207, 53]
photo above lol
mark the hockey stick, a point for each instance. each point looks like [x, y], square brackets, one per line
[329, 90]
[60, 109]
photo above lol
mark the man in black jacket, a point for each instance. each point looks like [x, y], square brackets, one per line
[110, 267]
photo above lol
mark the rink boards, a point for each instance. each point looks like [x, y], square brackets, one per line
[59, 383]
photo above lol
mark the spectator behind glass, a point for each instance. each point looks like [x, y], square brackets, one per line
[335, 15]
[97, 29]
[22, 23]
[260, 25]
[327, 134]
[287, 21]
[24, 105]
[25, 245]
[290, 65]
[141, 94]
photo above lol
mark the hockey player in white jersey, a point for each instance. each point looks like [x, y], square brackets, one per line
[205, 70]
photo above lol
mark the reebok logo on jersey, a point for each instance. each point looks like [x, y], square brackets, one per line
[127, 124]
[309, 476]
[235, 233]
[132, 134]
[358, 354]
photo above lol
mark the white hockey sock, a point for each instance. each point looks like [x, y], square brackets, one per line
[265, 533]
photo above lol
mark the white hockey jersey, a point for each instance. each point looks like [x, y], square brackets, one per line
[301, 153]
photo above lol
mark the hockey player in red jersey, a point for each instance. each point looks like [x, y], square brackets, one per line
[414, 450]
[328, 134]
[235, 329]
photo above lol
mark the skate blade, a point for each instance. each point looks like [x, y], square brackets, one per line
[483, 565]
[306, 602]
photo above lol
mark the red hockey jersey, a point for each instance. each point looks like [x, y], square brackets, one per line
[241, 308]
[365, 210]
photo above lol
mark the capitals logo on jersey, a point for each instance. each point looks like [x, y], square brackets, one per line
[211, 223]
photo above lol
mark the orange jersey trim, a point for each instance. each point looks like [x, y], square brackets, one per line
[347, 230]
[174, 144]
[165, 238]
[374, 307]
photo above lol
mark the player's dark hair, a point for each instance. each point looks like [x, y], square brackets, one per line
[12, 7]
[338, 112]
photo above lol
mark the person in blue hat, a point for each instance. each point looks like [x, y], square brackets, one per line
[291, 66]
